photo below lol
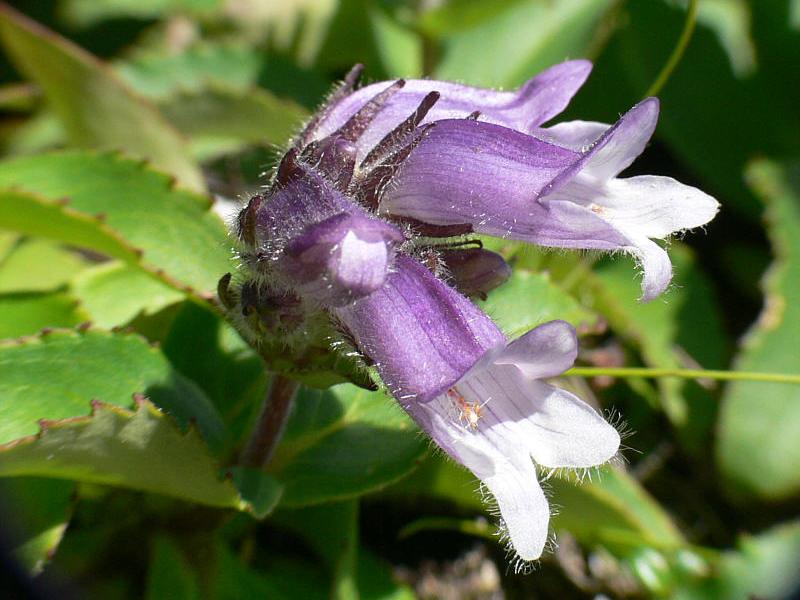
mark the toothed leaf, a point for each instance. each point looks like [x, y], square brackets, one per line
[141, 449]
[97, 109]
[140, 212]
[55, 376]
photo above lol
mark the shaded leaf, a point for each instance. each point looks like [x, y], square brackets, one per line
[35, 265]
[757, 430]
[343, 443]
[96, 108]
[766, 565]
[220, 120]
[121, 208]
[41, 509]
[169, 574]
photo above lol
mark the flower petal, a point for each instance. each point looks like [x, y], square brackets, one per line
[505, 469]
[575, 135]
[655, 264]
[654, 206]
[546, 351]
[557, 428]
[422, 335]
[472, 172]
[537, 101]
[340, 259]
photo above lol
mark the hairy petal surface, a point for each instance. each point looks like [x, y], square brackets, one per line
[421, 334]
[342, 258]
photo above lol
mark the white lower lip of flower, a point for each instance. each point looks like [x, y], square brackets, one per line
[495, 420]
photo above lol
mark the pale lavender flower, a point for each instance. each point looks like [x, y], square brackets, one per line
[479, 397]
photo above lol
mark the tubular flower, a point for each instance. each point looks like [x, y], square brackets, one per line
[479, 397]
[360, 237]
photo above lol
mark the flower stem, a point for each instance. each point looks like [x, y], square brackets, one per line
[677, 53]
[271, 422]
[683, 374]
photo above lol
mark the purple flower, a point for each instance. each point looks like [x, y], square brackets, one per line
[479, 397]
[361, 236]
[506, 176]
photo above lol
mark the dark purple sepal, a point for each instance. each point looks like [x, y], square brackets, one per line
[475, 271]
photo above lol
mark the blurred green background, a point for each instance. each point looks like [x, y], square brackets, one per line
[356, 504]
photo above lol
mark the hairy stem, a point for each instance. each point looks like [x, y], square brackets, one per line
[271, 422]
[683, 374]
[677, 53]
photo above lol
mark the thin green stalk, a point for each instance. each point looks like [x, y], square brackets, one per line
[677, 53]
[644, 372]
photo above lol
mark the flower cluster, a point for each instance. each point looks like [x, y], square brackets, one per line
[367, 223]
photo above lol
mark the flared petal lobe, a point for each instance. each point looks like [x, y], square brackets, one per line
[537, 101]
[500, 419]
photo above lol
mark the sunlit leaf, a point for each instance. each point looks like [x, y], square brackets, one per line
[96, 108]
[57, 375]
[139, 449]
[113, 293]
[118, 207]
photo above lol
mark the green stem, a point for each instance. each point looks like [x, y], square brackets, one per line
[683, 374]
[677, 53]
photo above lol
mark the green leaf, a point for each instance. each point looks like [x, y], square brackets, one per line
[612, 510]
[757, 436]
[114, 293]
[159, 76]
[399, 47]
[97, 109]
[233, 580]
[140, 449]
[36, 265]
[331, 529]
[208, 350]
[169, 574]
[518, 42]
[763, 566]
[343, 443]
[441, 20]
[530, 299]
[121, 208]
[28, 313]
[88, 12]
[41, 509]
[219, 119]
[55, 376]
[680, 329]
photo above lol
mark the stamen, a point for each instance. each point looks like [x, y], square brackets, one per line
[358, 123]
[369, 188]
[401, 132]
[347, 87]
